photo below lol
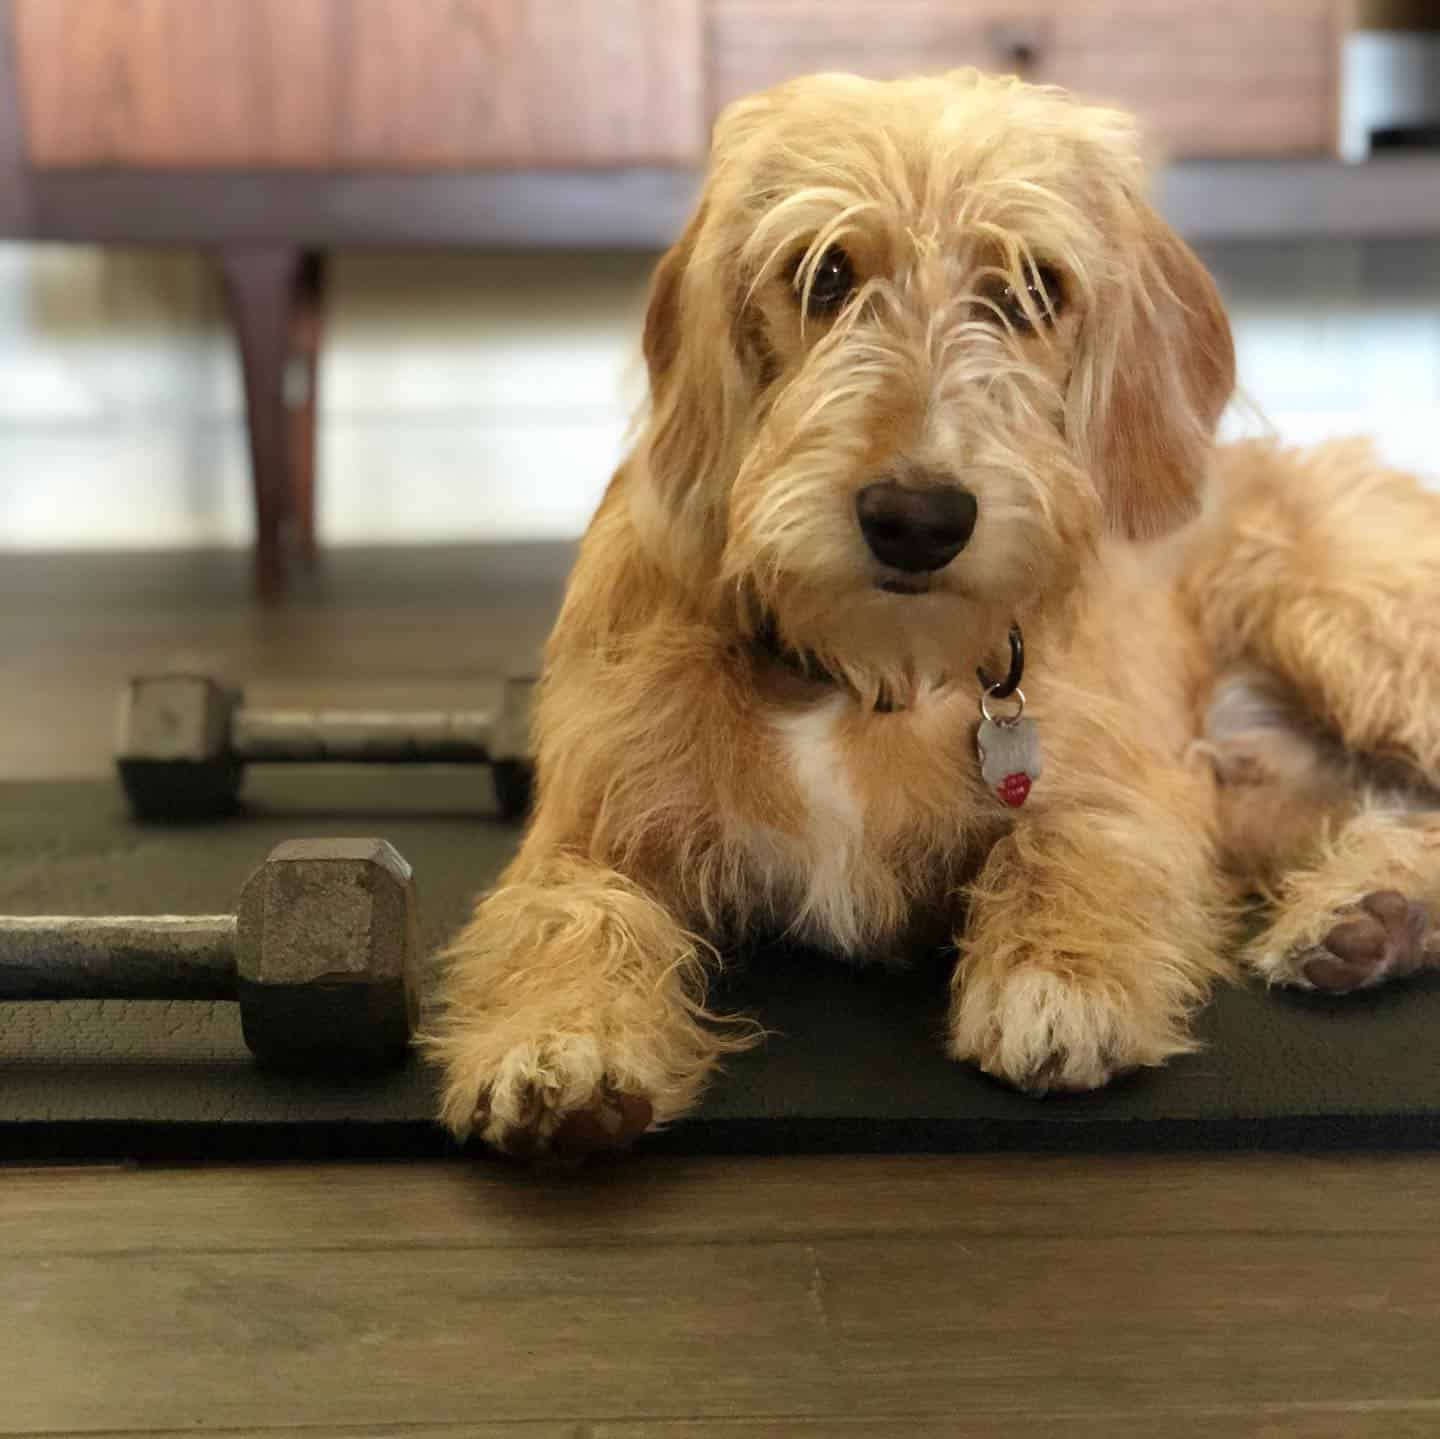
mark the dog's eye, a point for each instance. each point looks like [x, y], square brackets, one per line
[1043, 296]
[831, 284]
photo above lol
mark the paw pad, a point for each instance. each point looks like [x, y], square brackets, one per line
[1381, 938]
[611, 1120]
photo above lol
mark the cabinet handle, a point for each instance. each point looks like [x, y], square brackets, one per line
[1017, 47]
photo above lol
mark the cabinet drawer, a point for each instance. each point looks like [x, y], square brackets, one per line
[1206, 77]
[361, 84]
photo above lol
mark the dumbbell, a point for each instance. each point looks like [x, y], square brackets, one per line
[322, 954]
[184, 740]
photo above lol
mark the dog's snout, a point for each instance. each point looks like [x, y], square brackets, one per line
[916, 527]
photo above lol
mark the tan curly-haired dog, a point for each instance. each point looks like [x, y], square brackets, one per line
[924, 366]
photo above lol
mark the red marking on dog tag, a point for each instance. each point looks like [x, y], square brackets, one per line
[1014, 789]
[1010, 761]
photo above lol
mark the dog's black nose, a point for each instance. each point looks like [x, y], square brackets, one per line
[916, 528]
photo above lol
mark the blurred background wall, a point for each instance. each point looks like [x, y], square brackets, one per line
[463, 396]
[474, 396]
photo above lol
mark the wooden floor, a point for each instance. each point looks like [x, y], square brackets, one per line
[1282, 1296]
[1113, 1299]
[404, 628]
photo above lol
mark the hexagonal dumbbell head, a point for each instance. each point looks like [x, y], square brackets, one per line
[173, 751]
[328, 955]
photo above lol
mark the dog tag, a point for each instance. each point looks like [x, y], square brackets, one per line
[1009, 757]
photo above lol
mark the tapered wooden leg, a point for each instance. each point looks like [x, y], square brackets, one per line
[273, 293]
[302, 395]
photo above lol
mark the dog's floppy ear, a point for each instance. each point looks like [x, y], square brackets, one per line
[661, 340]
[695, 393]
[1170, 365]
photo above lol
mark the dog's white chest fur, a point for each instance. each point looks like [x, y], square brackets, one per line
[819, 871]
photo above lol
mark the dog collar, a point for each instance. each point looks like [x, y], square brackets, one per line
[804, 664]
[1006, 744]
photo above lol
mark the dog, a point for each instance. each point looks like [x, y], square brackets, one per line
[933, 396]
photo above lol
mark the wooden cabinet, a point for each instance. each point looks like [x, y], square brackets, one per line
[453, 84]
[1207, 77]
[360, 84]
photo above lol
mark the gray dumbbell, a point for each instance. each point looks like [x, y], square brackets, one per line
[322, 954]
[184, 740]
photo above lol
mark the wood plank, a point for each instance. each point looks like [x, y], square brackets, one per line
[180, 82]
[995, 1328]
[362, 84]
[395, 1336]
[1233, 79]
[523, 82]
[1387, 1421]
[478, 1206]
[519, 1429]
[1131, 1323]
[1206, 77]
[1398, 1420]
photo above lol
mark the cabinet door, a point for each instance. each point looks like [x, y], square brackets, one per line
[1206, 77]
[360, 84]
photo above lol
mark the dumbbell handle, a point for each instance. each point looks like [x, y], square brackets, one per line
[378, 736]
[156, 956]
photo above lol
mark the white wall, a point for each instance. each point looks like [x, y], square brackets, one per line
[1334, 339]
[462, 397]
[470, 396]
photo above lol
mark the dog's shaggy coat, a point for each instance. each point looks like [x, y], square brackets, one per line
[748, 723]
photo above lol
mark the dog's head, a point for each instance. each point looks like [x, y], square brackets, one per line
[919, 345]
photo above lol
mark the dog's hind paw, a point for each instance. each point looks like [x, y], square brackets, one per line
[1384, 936]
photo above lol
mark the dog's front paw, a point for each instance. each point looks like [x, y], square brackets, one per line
[561, 1094]
[1042, 1030]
